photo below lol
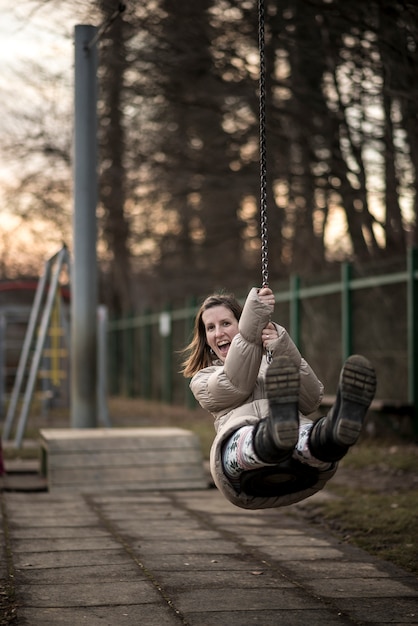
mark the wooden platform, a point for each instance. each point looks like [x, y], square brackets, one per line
[88, 460]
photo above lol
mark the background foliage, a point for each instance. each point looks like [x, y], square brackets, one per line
[179, 154]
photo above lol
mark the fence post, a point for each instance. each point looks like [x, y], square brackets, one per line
[145, 353]
[112, 343]
[189, 325]
[102, 387]
[346, 312]
[128, 358]
[295, 309]
[412, 303]
[166, 336]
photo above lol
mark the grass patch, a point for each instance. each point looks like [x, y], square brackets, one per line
[383, 525]
[399, 457]
[376, 503]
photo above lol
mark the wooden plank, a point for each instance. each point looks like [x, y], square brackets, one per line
[125, 459]
[100, 475]
[175, 485]
[112, 433]
[56, 440]
[85, 460]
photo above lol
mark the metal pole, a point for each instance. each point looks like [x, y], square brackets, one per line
[40, 342]
[3, 326]
[412, 299]
[25, 354]
[84, 276]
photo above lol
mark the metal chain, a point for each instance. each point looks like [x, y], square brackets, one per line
[106, 25]
[263, 160]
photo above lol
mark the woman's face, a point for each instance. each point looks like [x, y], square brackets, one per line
[221, 326]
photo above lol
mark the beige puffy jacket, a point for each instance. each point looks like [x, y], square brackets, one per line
[234, 393]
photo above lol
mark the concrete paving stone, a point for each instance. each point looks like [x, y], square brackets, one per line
[243, 599]
[59, 515]
[63, 545]
[49, 521]
[265, 617]
[209, 504]
[52, 518]
[88, 594]
[140, 508]
[141, 517]
[364, 587]
[303, 539]
[73, 533]
[92, 573]
[129, 513]
[271, 517]
[72, 558]
[296, 553]
[309, 570]
[257, 524]
[130, 615]
[182, 533]
[218, 579]
[361, 588]
[187, 547]
[382, 611]
[150, 498]
[163, 524]
[147, 498]
[215, 505]
[199, 562]
[25, 502]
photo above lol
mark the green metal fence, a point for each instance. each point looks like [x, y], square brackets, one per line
[373, 314]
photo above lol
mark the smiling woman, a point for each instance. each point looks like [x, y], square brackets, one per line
[221, 326]
[248, 373]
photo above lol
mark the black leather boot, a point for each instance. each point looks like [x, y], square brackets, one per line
[276, 435]
[332, 436]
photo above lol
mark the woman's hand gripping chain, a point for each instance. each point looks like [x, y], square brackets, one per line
[269, 333]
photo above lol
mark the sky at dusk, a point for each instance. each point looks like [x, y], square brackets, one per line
[28, 36]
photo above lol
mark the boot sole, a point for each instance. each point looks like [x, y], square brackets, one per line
[357, 387]
[282, 387]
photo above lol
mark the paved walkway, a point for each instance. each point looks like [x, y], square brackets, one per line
[187, 558]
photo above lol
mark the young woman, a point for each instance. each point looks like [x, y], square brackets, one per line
[248, 373]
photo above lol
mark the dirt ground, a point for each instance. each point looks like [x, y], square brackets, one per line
[385, 480]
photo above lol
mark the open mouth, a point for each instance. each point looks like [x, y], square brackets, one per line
[223, 348]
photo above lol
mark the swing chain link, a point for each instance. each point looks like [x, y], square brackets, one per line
[263, 160]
